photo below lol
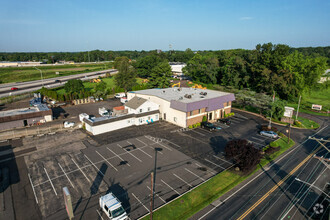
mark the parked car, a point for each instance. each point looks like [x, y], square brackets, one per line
[14, 88]
[112, 207]
[209, 126]
[270, 134]
[57, 81]
[120, 95]
[123, 100]
[68, 124]
[226, 121]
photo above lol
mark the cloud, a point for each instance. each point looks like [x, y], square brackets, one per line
[245, 18]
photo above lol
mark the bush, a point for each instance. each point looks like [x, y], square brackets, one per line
[297, 123]
[204, 118]
[273, 144]
[265, 128]
[190, 126]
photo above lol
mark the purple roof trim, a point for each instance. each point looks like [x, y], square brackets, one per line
[209, 104]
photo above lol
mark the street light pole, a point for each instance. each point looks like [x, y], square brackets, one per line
[311, 185]
[42, 80]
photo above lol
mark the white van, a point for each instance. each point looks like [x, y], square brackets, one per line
[120, 95]
[112, 207]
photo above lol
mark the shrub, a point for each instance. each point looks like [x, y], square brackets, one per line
[273, 144]
[190, 126]
[297, 123]
[198, 124]
[204, 118]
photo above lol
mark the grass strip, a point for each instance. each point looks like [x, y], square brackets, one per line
[197, 199]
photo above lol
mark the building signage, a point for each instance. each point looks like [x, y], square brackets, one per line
[288, 112]
[317, 107]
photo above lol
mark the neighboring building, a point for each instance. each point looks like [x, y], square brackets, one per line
[176, 68]
[25, 117]
[137, 111]
[27, 63]
[187, 106]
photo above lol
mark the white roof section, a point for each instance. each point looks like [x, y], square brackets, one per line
[110, 201]
[177, 67]
[181, 94]
[21, 111]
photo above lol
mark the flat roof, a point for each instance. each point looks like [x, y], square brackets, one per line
[178, 94]
[22, 111]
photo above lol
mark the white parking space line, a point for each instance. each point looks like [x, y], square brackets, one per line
[266, 137]
[204, 130]
[213, 173]
[80, 170]
[241, 116]
[194, 174]
[221, 159]
[197, 132]
[173, 144]
[165, 146]
[157, 195]
[34, 192]
[99, 214]
[140, 202]
[214, 163]
[50, 181]
[129, 153]
[96, 166]
[257, 143]
[141, 141]
[258, 139]
[118, 157]
[65, 174]
[239, 119]
[182, 179]
[170, 187]
[141, 150]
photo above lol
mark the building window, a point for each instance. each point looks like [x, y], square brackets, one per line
[148, 117]
[200, 111]
[140, 110]
[191, 113]
[175, 119]
[156, 117]
[129, 121]
[148, 109]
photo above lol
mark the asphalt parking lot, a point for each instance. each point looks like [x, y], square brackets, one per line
[121, 162]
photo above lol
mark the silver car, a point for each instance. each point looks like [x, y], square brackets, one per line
[270, 134]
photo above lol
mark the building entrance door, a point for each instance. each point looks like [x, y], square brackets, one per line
[210, 116]
[164, 116]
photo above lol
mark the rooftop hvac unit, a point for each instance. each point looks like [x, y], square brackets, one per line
[205, 93]
[202, 97]
[181, 98]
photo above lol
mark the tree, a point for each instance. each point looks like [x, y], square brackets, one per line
[119, 60]
[243, 153]
[74, 86]
[160, 76]
[145, 65]
[126, 78]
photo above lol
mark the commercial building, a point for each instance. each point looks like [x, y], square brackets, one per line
[19, 64]
[137, 111]
[187, 106]
[176, 68]
[25, 117]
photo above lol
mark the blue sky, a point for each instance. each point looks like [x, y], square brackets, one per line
[72, 25]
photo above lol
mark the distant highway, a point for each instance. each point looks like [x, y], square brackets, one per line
[30, 86]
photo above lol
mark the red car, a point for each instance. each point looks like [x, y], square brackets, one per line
[14, 88]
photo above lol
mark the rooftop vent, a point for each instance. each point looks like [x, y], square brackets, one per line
[163, 91]
[179, 89]
[202, 97]
[187, 96]
[181, 98]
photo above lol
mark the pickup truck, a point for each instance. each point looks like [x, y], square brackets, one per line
[112, 207]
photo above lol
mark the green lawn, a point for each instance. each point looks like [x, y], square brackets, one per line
[190, 203]
[319, 97]
[306, 123]
[21, 74]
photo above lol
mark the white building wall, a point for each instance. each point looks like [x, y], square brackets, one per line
[164, 108]
[145, 107]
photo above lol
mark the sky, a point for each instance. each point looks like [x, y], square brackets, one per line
[72, 25]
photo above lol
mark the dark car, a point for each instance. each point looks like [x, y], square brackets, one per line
[57, 81]
[226, 121]
[14, 88]
[209, 126]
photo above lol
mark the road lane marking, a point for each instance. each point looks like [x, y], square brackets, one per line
[50, 181]
[170, 187]
[34, 192]
[140, 202]
[80, 170]
[129, 153]
[277, 185]
[119, 157]
[157, 195]
[194, 174]
[182, 179]
[214, 163]
[65, 175]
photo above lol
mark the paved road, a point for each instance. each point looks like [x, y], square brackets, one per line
[50, 83]
[274, 193]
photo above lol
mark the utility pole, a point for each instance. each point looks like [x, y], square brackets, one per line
[42, 80]
[152, 194]
[298, 108]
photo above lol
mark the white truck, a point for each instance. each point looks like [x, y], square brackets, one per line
[120, 95]
[103, 111]
[112, 207]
